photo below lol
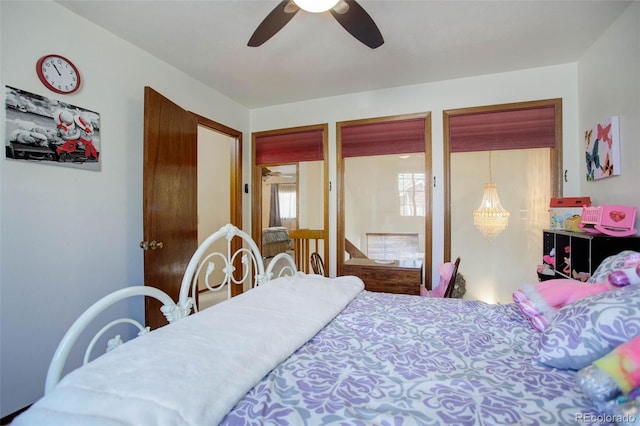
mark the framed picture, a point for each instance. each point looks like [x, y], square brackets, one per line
[48, 131]
[602, 145]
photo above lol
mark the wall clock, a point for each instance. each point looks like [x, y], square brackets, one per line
[58, 74]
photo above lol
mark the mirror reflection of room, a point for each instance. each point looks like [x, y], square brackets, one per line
[510, 258]
[385, 206]
[292, 209]
[280, 196]
[487, 144]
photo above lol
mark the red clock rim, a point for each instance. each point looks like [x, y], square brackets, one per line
[44, 80]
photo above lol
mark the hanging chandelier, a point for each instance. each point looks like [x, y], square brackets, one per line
[490, 218]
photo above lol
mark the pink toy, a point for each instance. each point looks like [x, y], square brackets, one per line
[567, 266]
[550, 259]
[540, 302]
[446, 271]
[614, 220]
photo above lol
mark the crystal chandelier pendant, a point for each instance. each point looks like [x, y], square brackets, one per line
[490, 218]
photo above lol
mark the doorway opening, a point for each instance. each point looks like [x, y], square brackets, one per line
[215, 152]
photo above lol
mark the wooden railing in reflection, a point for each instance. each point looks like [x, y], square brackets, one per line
[353, 251]
[305, 242]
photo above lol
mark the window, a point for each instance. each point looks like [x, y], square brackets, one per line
[288, 201]
[411, 193]
[392, 246]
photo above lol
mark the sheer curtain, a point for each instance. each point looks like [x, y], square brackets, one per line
[287, 196]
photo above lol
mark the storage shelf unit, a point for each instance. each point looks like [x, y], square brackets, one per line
[580, 252]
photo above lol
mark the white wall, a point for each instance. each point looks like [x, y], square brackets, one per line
[533, 84]
[609, 84]
[311, 196]
[69, 236]
[214, 193]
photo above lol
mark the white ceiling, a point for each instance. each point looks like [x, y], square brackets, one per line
[314, 57]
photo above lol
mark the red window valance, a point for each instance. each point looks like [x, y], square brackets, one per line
[511, 129]
[382, 138]
[306, 145]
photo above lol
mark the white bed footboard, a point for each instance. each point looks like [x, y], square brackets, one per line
[61, 354]
[217, 270]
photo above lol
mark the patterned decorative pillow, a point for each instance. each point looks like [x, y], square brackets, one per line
[609, 265]
[590, 328]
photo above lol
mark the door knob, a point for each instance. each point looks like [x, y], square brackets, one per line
[153, 245]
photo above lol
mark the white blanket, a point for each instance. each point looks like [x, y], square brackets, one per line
[194, 371]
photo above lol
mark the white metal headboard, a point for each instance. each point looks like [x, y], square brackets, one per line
[205, 261]
[202, 260]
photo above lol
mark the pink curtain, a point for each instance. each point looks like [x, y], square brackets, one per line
[388, 137]
[515, 129]
[290, 147]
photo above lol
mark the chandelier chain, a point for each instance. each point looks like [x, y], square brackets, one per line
[490, 174]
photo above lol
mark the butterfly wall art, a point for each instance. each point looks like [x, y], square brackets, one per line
[602, 149]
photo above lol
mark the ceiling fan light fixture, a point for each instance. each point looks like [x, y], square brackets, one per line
[316, 6]
[348, 13]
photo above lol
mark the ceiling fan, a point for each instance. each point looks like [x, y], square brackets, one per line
[267, 174]
[348, 13]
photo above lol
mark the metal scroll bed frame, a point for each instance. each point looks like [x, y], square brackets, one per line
[214, 269]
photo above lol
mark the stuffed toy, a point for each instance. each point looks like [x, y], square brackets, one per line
[580, 276]
[612, 382]
[539, 302]
[550, 259]
[567, 266]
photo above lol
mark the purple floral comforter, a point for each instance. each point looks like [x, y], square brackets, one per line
[406, 360]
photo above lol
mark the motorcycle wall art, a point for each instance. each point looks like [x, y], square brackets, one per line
[48, 131]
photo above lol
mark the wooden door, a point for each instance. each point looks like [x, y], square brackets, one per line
[170, 196]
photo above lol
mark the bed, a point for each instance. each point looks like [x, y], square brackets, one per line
[275, 240]
[309, 350]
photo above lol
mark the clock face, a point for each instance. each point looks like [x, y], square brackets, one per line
[58, 74]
